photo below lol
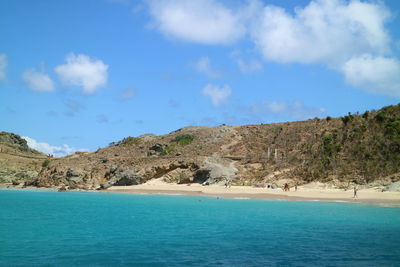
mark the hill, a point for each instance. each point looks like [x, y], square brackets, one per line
[362, 149]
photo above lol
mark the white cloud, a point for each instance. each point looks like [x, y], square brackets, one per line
[375, 74]
[38, 81]
[218, 95]
[325, 31]
[347, 36]
[329, 32]
[250, 66]
[57, 151]
[200, 21]
[81, 70]
[203, 65]
[3, 66]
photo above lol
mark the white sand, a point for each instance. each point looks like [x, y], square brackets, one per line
[158, 186]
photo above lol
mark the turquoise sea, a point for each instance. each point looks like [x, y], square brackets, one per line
[99, 229]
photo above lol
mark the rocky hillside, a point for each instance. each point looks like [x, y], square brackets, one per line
[358, 148]
[18, 162]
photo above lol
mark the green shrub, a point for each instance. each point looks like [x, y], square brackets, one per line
[127, 141]
[45, 163]
[130, 141]
[392, 128]
[346, 119]
[328, 146]
[167, 150]
[381, 116]
[183, 139]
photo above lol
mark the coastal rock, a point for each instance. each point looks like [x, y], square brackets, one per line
[179, 176]
[121, 177]
[127, 177]
[62, 189]
[105, 186]
[16, 182]
[394, 187]
[201, 176]
[74, 176]
[216, 170]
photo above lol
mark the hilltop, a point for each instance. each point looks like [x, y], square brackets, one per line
[359, 149]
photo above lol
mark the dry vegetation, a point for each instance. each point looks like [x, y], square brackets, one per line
[363, 149]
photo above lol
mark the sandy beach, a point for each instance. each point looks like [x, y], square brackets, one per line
[303, 193]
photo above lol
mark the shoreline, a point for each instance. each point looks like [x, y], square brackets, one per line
[267, 195]
[157, 187]
[310, 192]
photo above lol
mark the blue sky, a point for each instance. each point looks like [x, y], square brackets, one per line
[77, 75]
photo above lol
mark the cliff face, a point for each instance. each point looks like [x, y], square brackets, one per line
[18, 163]
[364, 149]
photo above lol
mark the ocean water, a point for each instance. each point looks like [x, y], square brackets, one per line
[98, 229]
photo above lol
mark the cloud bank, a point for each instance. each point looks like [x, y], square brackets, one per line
[83, 71]
[57, 151]
[338, 34]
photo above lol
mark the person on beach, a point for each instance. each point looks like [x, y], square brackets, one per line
[295, 187]
[355, 192]
[286, 187]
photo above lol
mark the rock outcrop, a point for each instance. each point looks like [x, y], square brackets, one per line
[216, 170]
